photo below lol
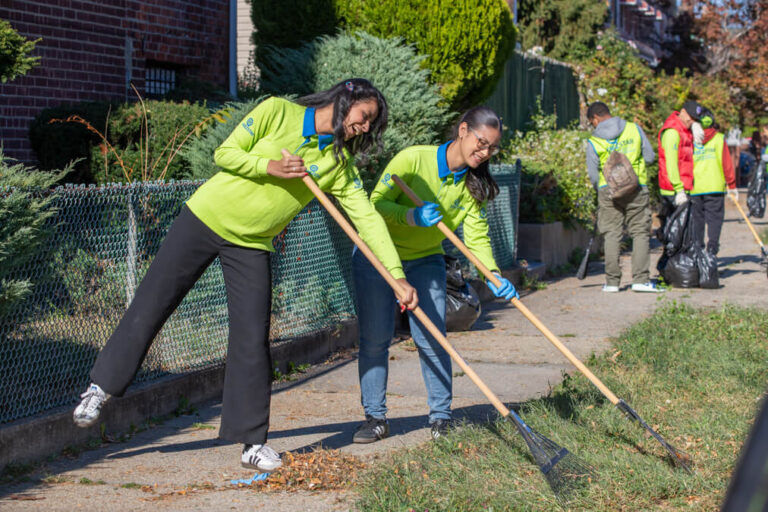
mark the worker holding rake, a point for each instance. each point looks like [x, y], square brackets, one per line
[234, 216]
[455, 181]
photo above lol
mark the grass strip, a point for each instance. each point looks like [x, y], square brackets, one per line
[696, 376]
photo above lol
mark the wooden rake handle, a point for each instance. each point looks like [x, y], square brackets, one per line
[391, 281]
[749, 224]
[516, 302]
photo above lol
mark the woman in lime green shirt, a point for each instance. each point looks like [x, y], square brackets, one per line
[454, 181]
[234, 217]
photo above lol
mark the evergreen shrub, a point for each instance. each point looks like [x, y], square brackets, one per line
[198, 153]
[24, 213]
[417, 114]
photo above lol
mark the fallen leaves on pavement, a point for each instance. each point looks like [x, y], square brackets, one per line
[320, 469]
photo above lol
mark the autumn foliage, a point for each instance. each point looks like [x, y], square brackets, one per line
[734, 37]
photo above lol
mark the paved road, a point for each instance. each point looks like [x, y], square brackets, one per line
[504, 349]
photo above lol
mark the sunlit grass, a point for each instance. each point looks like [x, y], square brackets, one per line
[695, 376]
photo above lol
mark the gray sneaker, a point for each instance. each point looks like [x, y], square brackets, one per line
[87, 413]
[372, 430]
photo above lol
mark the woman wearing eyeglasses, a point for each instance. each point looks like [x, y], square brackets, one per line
[454, 181]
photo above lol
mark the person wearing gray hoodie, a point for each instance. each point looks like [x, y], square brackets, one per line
[615, 134]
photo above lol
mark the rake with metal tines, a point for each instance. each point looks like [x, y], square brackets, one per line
[563, 470]
[680, 458]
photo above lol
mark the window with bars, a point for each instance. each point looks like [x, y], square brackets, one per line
[158, 80]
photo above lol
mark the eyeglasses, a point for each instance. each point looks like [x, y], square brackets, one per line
[483, 144]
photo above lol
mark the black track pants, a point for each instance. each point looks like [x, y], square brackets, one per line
[709, 210]
[188, 249]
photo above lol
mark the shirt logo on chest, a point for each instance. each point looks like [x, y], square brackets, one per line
[456, 205]
[247, 125]
[313, 171]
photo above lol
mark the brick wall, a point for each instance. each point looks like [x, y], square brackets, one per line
[89, 49]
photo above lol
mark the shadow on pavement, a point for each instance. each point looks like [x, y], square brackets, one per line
[341, 433]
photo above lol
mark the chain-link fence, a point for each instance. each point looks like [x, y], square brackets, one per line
[101, 243]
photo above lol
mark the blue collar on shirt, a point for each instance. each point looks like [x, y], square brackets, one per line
[309, 130]
[442, 165]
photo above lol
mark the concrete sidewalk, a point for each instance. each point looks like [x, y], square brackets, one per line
[508, 353]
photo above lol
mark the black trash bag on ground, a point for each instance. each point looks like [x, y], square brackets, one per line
[462, 304]
[674, 235]
[679, 263]
[682, 270]
[707, 264]
[756, 193]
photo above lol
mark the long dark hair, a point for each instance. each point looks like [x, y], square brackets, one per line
[343, 95]
[480, 183]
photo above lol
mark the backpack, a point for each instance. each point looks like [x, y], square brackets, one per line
[620, 176]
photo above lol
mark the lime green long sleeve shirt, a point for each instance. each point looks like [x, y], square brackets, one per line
[670, 141]
[425, 170]
[248, 207]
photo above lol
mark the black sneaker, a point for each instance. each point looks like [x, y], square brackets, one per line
[441, 427]
[372, 430]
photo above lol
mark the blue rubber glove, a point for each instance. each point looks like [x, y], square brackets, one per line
[427, 215]
[506, 290]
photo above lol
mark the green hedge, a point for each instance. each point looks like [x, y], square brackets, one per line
[290, 23]
[416, 112]
[467, 42]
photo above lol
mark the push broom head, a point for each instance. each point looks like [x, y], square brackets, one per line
[564, 471]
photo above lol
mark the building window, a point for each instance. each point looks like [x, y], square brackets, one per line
[159, 80]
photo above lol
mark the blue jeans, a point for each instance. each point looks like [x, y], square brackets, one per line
[376, 320]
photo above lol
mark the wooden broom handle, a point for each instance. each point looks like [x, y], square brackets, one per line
[741, 211]
[519, 305]
[418, 312]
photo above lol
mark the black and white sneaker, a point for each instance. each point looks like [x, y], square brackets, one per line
[441, 427]
[371, 430]
[87, 412]
[261, 457]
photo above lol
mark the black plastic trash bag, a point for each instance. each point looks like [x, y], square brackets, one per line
[674, 236]
[462, 304]
[756, 193]
[707, 264]
[678, 265]
[682, 270]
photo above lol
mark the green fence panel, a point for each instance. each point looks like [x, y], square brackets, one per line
[527, 78]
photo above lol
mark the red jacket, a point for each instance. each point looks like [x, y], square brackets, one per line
[684, 154]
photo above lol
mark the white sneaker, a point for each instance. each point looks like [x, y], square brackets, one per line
[646, 287]
[610, 289]
[90, 406]
[261, 457]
